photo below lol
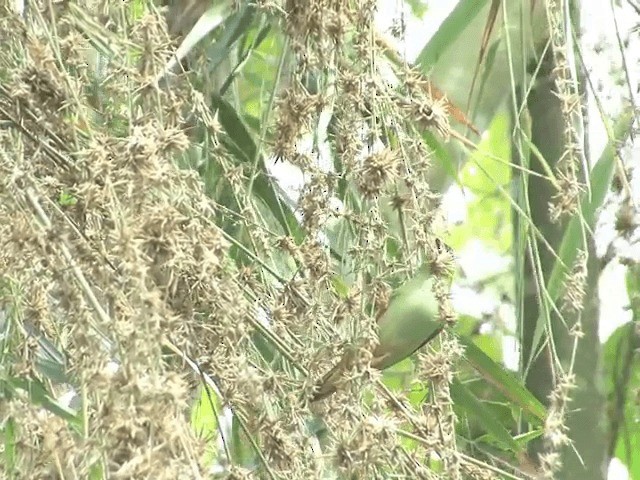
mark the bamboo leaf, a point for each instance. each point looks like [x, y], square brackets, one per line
[467, 401]
[240, 142]
[504, 381]
[453, 26]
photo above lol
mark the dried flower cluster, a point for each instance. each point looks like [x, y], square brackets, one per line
[105, 252]
[575, 285]
[571, 163]
[555, 430]
[333, 44]
[119, 256]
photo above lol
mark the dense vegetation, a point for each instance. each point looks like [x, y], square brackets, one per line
[200, 219]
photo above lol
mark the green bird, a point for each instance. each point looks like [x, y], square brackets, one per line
[410, 321]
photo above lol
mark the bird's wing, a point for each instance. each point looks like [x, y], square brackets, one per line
[385, 360]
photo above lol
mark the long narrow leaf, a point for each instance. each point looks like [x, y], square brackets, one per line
[39, 395]
[504, 381]
[453, 26]
[241, 143]
[465, 399]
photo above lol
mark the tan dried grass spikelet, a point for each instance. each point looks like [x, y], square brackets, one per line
[378, 171]
[575, 284]
[142, 234]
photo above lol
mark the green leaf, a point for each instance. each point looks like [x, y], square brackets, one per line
[453, 26]
[240, 142]
[527, 437]
[633, 290]
[205, 421]
[489, 166]
[627, 452]
[243, 62]
[242, 452]
[211, 19]
[66, 199]
[50, 362]
[340, 286]
[9, 438]
[52, 369]
[418, 8]
[233, 27]
[622, 382]
[398, 377]
[463, 398]
[96, 471]
[489, 219]
[504, 381]
[442, 155]
[38, 395]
